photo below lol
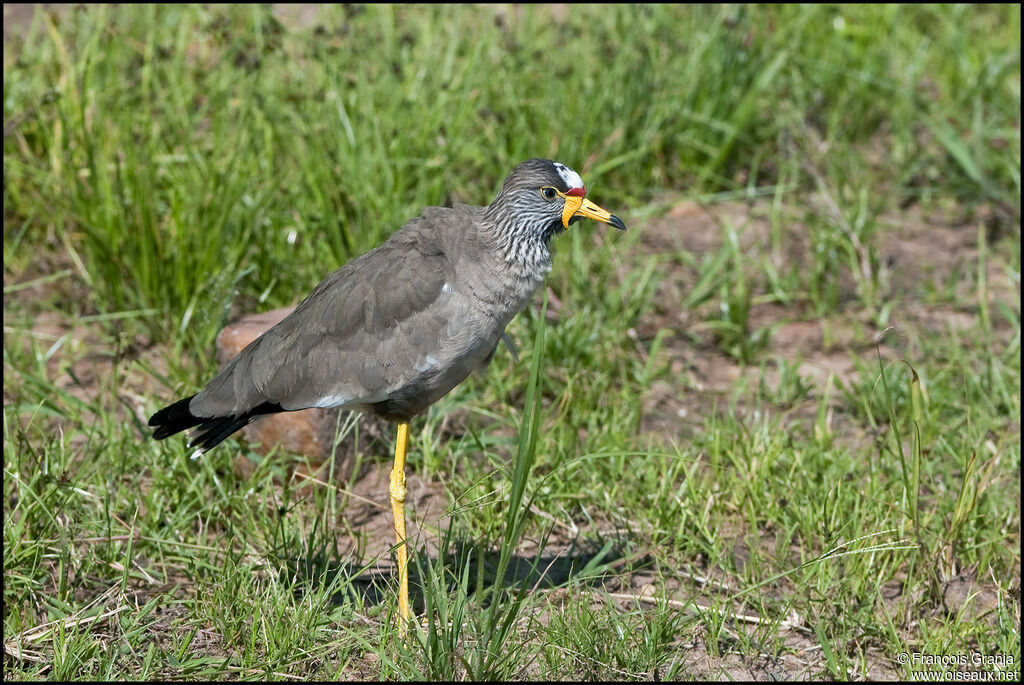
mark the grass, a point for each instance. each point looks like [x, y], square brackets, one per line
[702, 465]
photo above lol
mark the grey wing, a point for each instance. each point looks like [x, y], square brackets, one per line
[351, 342]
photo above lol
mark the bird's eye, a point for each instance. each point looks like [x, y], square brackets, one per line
[549, 193]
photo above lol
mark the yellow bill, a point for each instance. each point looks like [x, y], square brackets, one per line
[577, 205]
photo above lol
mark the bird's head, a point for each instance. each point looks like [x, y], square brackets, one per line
[544, 197]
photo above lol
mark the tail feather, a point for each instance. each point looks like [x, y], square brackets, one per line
[173, 419]
[212, 430]
[212, 433]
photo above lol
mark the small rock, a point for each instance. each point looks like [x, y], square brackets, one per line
[966, 597]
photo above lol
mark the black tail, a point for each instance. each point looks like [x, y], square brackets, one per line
[174, 418]
[212, 431]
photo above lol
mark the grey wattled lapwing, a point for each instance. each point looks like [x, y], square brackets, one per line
[397, 328]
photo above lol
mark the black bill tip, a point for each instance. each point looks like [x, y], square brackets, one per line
[617, 223]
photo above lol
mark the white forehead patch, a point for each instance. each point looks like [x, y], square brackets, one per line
[571, 178]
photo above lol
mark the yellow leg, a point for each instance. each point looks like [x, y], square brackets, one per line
[397, 490]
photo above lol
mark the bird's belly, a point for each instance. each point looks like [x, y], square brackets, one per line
[473, 328]
[435, 377]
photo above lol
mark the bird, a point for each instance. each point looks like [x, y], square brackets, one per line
[392, 331]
